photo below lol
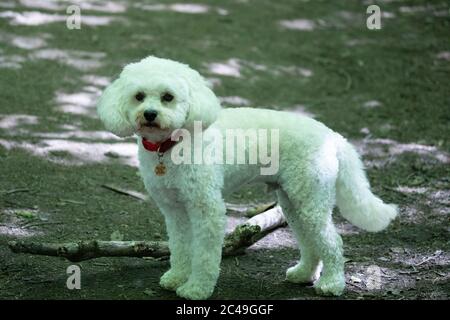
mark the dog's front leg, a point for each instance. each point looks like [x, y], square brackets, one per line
[180, 237]
[207, 217]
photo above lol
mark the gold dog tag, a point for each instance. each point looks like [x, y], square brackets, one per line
[160, 168]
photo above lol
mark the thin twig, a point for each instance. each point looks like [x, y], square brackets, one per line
[37, 224]
[73, 201]
[131, 193]
[15, 191]
[399, 192]
[357, 286]
[437, 254]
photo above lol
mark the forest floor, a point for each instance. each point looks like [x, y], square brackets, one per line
[385, 90]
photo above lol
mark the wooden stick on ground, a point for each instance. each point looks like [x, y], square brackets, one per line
[235, 242]
[131, 193]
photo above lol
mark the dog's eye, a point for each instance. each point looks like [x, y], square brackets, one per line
[140, 96]
[167, 97]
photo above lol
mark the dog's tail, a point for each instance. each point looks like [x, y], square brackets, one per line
[356, 202]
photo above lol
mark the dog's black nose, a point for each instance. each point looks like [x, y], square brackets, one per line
[150, 115]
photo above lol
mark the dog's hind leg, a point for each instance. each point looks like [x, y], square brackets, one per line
[180, 237]
[308, 269]
[328, 246]
[313, 199]
[315, 229]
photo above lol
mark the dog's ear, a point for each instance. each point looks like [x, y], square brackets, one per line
[204, 106]
[111, 110]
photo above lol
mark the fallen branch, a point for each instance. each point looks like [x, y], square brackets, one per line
[235, 242]
[90, 249]
[252, 230]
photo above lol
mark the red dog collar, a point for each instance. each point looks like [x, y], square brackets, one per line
[160, 147]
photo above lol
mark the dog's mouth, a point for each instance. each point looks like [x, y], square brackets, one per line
[149, 125]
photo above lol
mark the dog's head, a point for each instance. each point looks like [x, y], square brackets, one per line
[156, 96]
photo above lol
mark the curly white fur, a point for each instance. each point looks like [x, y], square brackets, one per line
[318, 167]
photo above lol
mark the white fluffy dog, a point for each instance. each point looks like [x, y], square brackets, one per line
[318, 168]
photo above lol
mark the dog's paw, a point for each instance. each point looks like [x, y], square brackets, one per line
[171, 280]
[194, 291]
[334, 285]
[300, 274]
